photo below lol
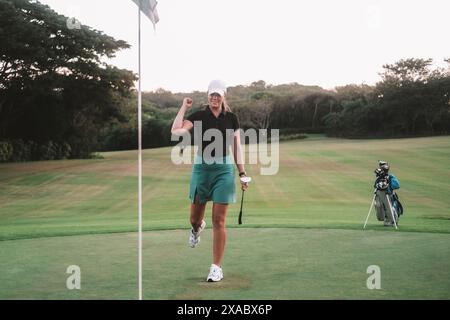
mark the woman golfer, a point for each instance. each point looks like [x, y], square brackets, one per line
[213, 171]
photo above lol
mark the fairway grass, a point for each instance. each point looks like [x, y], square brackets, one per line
[265, 263]
[302, 235]
[321, 183]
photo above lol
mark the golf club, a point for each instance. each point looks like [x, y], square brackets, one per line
[244, 180]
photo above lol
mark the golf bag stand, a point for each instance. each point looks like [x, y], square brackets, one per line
[371, 206]
[391, 209]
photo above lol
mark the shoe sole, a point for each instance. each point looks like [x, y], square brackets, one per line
[193, 245]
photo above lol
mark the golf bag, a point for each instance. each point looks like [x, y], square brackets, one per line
[385, 200]
[387, 204]
[383, 208]
[397, 204]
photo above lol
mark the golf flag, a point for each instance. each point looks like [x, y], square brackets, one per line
[148, 7]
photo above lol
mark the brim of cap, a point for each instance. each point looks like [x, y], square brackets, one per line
[219, 91]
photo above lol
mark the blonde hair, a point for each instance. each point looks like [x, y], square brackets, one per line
[225, 105]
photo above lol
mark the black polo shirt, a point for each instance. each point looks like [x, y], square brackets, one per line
[225, 120]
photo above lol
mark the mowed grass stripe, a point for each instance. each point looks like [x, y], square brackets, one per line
[321, 182]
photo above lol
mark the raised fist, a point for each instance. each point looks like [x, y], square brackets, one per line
[187, 102]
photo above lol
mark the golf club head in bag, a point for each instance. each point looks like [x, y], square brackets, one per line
[243, 180]
[383, 165]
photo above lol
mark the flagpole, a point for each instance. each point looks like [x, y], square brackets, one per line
[140, 157]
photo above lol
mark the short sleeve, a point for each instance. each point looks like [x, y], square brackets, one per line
[235, 121]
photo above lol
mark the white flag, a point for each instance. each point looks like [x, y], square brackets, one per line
[148, 7]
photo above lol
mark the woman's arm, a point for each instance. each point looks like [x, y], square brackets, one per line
[237, 152]
[180, 126]
[238, 157]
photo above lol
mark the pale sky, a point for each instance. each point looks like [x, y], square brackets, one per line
[315, 42]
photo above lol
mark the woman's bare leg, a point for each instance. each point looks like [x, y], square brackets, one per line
[197, 213]
[219, 212]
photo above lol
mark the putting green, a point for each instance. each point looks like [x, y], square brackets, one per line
[265, 263]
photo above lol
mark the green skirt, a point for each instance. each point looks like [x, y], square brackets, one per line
[213, 181]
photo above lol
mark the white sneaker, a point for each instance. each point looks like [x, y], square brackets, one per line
[215, 273]
[194, 237]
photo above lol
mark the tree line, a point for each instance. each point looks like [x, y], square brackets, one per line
[59, 100]
[56, 95]
[412, 99]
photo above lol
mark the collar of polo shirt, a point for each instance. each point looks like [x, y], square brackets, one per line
[207, 108]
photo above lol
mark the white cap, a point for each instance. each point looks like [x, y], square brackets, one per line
[217, 86]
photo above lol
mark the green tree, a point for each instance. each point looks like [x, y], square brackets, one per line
[414, 95]
[53, 85]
